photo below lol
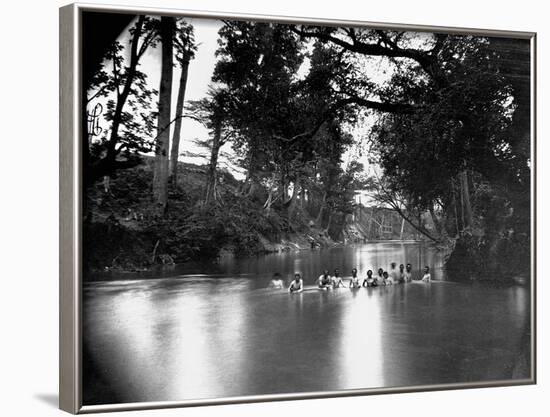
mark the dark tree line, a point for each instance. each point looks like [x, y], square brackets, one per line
[453, 140]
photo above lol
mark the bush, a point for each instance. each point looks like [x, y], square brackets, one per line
[111, 245]
[124, 229]
[500, 258]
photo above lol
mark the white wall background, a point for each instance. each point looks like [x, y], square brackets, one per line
[29, 205]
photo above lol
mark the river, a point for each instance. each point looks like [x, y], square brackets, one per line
[201, 331]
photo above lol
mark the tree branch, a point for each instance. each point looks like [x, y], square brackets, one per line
[387, 107]
[386, 197]
[423, 58]
[182, 116]
[97, 93]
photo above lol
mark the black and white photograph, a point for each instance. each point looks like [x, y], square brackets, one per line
[275, 207]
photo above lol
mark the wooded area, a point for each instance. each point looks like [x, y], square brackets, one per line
[450, 142]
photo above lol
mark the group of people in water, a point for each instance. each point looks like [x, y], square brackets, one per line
[327, 281]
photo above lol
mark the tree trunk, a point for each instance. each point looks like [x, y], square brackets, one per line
[319, 218]
[328, 223]
[174, 153]
[212, 167]
[160, 174]
[96, 171]
[294, 197]
[369, 222]
[253, 186]
[269, 201]
[284, 188]
[455, 204]
[467, 206]
[437, 224]
[121, 99]
[252, 183]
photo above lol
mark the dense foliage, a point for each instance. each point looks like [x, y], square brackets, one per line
[449, 142]
[456, 157]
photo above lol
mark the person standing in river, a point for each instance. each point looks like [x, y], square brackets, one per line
[297, 285]
[324, 281]
[408, 273]
[401, 273]
[387, 280]
[394, 275]
[354, 280]
[337, 281]
[369, 281]
[427, 276]
[276, 282]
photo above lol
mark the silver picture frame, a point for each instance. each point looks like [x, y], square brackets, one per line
[70, 173]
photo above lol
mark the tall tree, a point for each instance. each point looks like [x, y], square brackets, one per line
[218, 117]
[120, 82]
[258, 63]
[277, 108]
[160, 174]
[185, 52]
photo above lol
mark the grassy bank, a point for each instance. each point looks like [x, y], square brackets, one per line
[123, 230]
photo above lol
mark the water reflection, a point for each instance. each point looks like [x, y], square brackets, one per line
[221, 333]
[310, 263]
[361, 342]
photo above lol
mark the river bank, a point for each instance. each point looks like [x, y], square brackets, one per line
[140, 250]
[123, 231]
[309, 262]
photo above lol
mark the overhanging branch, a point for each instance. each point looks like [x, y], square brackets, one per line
[390, 50]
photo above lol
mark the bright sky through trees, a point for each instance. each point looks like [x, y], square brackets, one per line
[377, 69]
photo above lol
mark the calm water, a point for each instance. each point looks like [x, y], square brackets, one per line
[214, 330]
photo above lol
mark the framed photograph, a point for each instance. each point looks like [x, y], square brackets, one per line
[259, 208]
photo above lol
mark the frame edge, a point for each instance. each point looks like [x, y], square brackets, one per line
[69, 230]
[68, 353]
